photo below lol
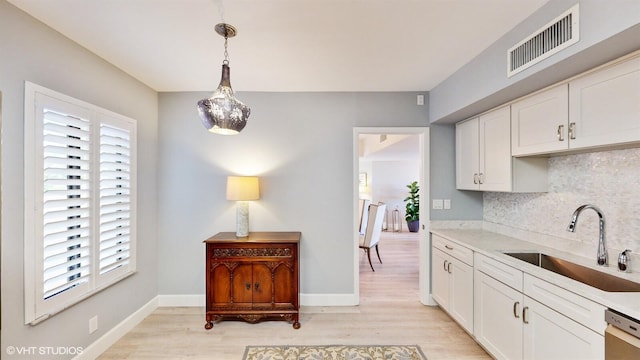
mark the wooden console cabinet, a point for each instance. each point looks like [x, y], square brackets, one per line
[253, 278]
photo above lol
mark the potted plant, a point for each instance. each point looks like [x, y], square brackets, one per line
[412, 210]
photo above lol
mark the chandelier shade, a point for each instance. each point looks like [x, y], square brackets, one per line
[223, 113]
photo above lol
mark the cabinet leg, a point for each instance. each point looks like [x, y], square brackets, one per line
[296, 325]
[208, 325]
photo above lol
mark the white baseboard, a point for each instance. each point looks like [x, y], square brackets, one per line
[195, 300]
[328, 300]
[110, 337]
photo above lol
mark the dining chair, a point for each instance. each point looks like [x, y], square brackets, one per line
[371, 236]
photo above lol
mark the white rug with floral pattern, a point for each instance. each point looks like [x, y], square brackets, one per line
[334, 352]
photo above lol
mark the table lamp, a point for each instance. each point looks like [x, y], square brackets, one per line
[242, 189]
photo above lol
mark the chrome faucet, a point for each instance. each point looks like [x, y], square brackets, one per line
[602, 248]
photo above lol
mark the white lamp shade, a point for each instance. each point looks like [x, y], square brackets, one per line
[243, 188]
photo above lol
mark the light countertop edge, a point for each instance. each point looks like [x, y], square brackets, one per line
[493, 245]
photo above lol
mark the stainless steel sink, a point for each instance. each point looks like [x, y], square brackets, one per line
[585, 275]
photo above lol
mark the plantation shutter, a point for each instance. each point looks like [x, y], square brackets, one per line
[80, 201]
[115, 200]
[65, 202]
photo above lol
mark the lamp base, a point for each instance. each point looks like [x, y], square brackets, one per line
[242, 219]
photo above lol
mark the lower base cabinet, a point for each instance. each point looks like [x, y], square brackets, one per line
[497, 322]
[453, 288]
[550, 335]
[511, 325]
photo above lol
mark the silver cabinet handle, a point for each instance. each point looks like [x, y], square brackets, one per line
[524, 314]
[444, 266]
[451, 248]
[572, 131]
[560, 132]
[475, 178]
[449, 268]
[480, 176]
[516, 312]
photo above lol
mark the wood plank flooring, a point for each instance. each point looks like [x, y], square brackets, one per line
[389, 313]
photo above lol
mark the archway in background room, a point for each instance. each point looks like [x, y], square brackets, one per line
[422, 133]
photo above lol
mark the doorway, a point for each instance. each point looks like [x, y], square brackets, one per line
[421, 136]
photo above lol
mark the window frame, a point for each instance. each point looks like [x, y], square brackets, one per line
[37, 98]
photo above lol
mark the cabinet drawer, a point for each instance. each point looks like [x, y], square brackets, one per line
[573, 306]
[449, 247]
[499, 271]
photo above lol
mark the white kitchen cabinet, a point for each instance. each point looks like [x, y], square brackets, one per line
[604, 106]
[440, 275]
[597, 109]
[484, 161]
[513, 325]
[551, 336]
[467, 155]
[452, 286]
[497, 323]
[539, 122]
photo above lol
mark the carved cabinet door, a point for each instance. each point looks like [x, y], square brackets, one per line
[262, 285]
[242, 289]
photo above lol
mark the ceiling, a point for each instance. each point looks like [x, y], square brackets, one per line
[389, 147]
[286, 45]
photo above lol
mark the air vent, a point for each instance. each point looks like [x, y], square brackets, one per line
[559, 34]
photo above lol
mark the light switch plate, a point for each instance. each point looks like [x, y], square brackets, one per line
[447, 204]
[438, 204]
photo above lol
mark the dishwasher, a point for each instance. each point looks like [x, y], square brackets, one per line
[622, 337]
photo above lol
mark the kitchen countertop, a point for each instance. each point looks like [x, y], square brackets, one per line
[492, 244]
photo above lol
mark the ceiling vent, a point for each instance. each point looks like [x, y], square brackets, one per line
[559, 34]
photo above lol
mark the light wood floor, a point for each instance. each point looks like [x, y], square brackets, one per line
[389, 313]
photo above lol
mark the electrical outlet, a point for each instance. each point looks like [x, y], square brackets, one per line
[447, 204]
[420, 100]
[438, 204]
[93, 324]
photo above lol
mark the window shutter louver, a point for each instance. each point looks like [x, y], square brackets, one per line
[115, 202]
[65, 202]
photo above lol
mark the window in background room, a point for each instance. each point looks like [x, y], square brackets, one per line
[80, 178]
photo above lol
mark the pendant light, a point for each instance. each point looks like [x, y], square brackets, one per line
[222, 113]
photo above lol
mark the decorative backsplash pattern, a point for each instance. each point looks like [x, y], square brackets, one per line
[609, 179]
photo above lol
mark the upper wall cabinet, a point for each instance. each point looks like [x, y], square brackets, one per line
[483, 157]
[600, 108]
[604, 106]
[539, 122]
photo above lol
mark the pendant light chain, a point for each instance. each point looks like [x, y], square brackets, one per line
[226, 53]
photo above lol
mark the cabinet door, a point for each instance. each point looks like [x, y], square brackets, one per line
[467, 155]
[262, 285]
[242, 284]
[497, 319]
[539, 122]
[461, 294]
[605, 106]
[440, 276]
[552, 336]
[495, 150]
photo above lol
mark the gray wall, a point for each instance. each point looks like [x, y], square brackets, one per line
[300, 144]
[32, 51]
[608, 29]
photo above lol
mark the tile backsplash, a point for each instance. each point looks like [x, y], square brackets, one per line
[609, 180]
